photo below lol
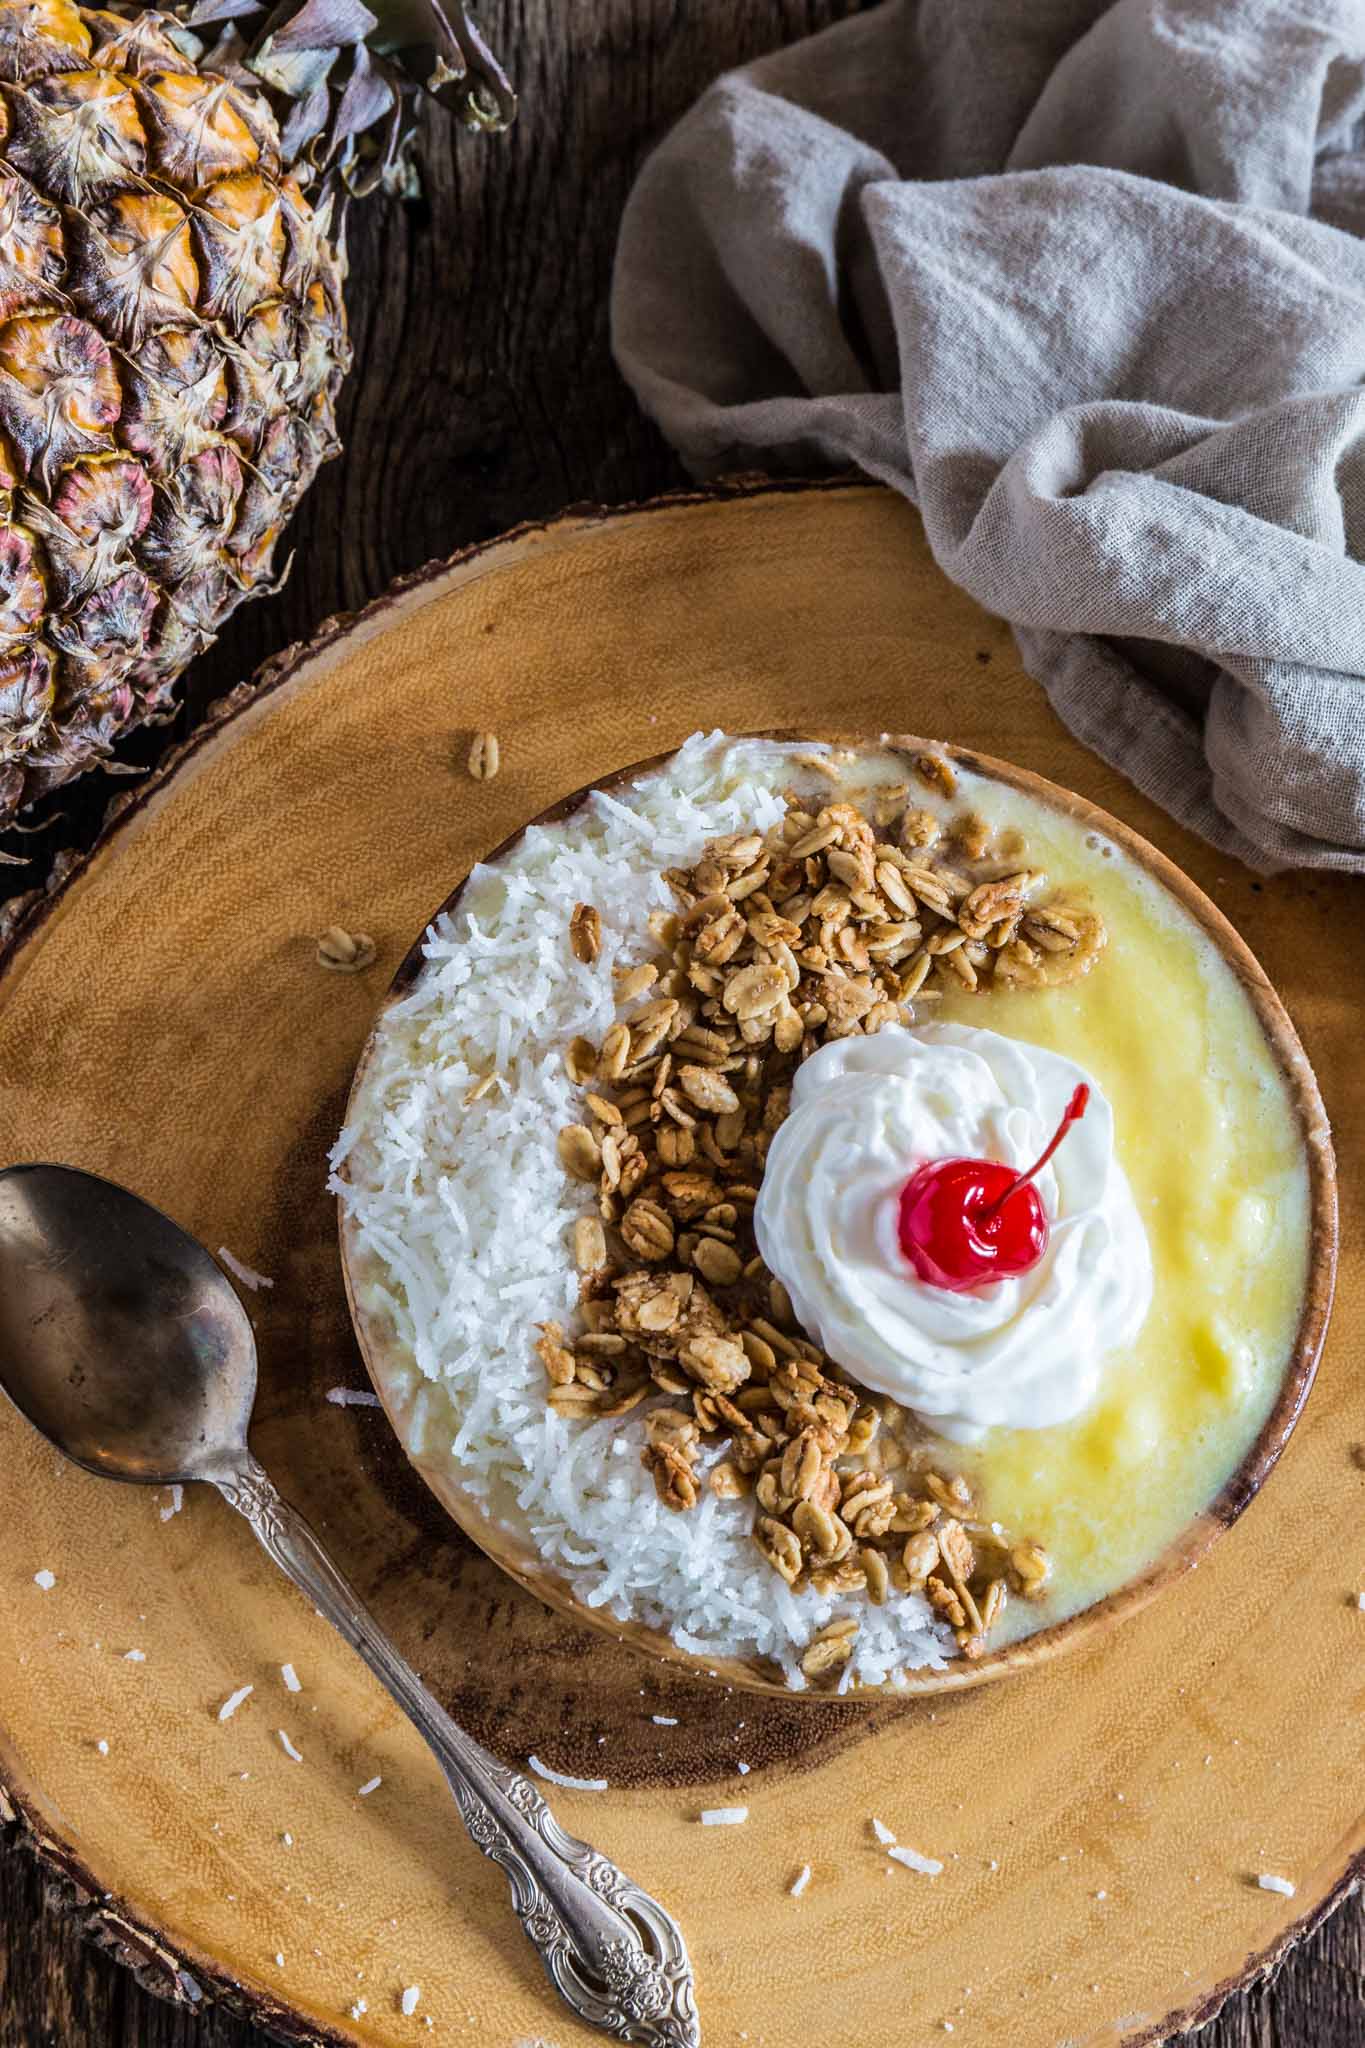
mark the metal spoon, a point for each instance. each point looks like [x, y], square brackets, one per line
[123, 1342]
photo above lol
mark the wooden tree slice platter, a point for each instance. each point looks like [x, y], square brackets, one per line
[163, 1019]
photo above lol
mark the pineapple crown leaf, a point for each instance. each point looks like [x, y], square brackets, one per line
[345, 78]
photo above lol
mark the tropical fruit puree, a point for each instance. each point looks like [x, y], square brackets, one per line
[1208, 1141]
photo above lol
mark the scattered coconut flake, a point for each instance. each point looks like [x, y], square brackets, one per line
[409, 1999]
[248, 1276]
[288, 1840]
[102, 1746]
[279, 1958]
[743, 1770]
[663, 1720]
[46, 1579]
[290, 1677]
[1360, 1600]
[287, 1746]
[352, 1397]
[1268, 1882]
[562, 1778]
[370, 1785]
[359, 2009]
[882, 1831]
[135, 1656]
[177, 1494]
[723, 1816]
[233, 1701]
[800, 1881]
[928, 1866]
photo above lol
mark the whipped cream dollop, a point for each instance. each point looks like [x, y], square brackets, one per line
[1021, 1353]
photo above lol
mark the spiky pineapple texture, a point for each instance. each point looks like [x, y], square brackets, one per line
[172, 339]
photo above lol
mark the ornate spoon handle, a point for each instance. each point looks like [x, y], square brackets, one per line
[610, 1950]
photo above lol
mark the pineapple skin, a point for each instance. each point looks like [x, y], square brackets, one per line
[172, 341]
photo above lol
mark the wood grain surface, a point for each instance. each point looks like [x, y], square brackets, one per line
[484, 394]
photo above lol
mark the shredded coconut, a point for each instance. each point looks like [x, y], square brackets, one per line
[882, 1831]
[663, 1720]
[928, 1866]
[352, 1397]
[459, 1224]
[561, 1778]
[800, 1881]
[287, 1746]
[723, 1816]
[46, 1579]
[233, 1701]
[177, 1501]
[370, 1785]
[248, 1276]
[1270, 1883]
[102, 1746]
[290, 1677]
[409, 1999]
[135, 1656]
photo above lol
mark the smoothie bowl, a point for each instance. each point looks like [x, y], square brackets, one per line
[846, 1215]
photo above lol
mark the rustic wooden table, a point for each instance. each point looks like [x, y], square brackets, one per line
[484, 394]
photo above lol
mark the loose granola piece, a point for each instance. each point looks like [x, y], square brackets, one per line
[579, 1152]
[707, 1089]
[555, 1355]
[955, 1548]
[993, 1603]
[485, 756]
[342, 952]
[1032, 1568]
[719, 1263]
[585, 933]
[876, 1575]
[589, 1244]
[647, 1230]
[953, 1494]
[945, 1601]
[675, 1479]
[920, 1557]
[580, 1060]
[823, 1533]
[780, 1545]
[1033, 962]
[831, 1649]
[718, 1362]
[633, 981]
[936, 772]
[611, 1060]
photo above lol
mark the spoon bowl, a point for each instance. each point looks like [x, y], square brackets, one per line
[89, 1274]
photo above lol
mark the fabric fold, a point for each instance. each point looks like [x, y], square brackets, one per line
[1086, 283]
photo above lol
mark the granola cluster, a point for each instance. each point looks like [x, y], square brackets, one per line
[832, 923]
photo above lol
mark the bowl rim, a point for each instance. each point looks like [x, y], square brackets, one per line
[760, 1675]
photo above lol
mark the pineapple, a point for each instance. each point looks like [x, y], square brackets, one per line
[172, 333]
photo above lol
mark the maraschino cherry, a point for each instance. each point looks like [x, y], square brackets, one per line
[967, 1221]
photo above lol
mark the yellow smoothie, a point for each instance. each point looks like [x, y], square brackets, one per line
[1206, 1134]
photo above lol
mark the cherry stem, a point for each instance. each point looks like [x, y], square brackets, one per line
[1073, 1112]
